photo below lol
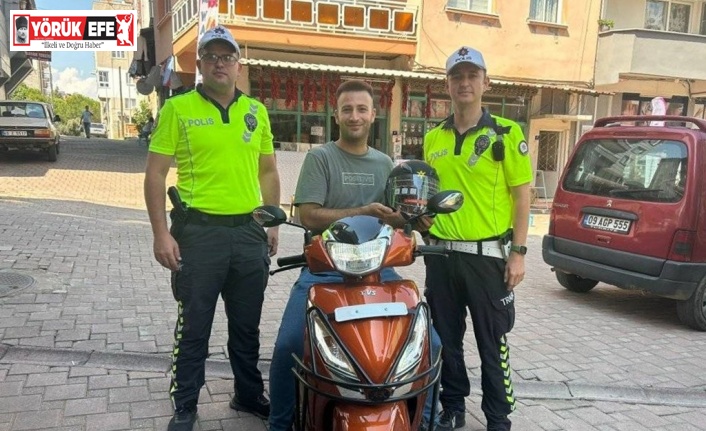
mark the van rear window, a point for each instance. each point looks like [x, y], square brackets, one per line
[637, 169]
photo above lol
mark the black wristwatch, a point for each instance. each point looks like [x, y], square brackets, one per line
[521, 249]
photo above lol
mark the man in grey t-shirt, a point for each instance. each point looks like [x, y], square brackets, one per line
[339, 182]
[339, 179]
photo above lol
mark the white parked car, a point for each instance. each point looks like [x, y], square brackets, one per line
[28, 126]
[99, 130]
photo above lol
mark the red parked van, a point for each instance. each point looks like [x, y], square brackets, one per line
[630, 211]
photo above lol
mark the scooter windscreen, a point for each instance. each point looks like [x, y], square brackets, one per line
[357, 245]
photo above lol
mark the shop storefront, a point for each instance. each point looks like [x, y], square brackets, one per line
[635, 104]
[302, 104]
[425, 105]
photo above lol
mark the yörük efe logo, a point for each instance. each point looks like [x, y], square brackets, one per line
[90, 30]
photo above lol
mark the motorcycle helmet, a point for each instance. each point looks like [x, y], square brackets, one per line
[409, 187]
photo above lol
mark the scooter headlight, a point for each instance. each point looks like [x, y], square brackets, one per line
[332, 353]
[358, 259]
[412, 354]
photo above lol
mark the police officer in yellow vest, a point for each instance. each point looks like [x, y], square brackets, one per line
[486, 157]
[222, 143]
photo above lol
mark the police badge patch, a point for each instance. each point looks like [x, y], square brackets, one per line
[523, 148]
[250, 122]
[482, 144]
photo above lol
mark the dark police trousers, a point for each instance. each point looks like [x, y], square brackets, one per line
[233, 262]
[468, 280]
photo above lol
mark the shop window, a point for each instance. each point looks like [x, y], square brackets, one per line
[413, 139]
[415, 107]
[273, 9]
[415, 125]
[700, 109]
[223, 6]
[353, 16]
[634, 104]
[515, 109]
[316, 124]
[246, 8]
[327, 13]
[379, 19]
[313, 129]
[403, 22]
[512, 108]
[301, 11]
[284, 127]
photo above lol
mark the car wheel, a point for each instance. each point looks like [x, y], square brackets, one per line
[692, 312]
[51, 153]
[575, 283]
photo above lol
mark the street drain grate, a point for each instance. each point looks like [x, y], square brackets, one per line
[12, 282]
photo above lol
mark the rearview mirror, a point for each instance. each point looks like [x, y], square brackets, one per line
[445, 202]
[57, 119]
[269, 215]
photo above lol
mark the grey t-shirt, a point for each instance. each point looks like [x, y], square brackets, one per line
[336, 179]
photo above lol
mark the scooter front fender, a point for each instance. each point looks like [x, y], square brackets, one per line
[382, 417]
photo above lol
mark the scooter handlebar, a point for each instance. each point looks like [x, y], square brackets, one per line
[291, 260]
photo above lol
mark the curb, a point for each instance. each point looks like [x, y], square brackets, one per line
[221, 369]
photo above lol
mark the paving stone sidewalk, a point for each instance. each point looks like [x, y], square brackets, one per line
[609, 360]
[129, 392]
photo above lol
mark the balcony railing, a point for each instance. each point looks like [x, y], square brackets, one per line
[388, 19]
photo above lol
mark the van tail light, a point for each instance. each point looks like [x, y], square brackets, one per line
[551, 222]
[682, 246]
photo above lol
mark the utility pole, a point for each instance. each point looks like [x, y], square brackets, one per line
[122, 116]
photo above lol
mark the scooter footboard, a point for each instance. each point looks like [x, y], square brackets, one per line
[384, 417]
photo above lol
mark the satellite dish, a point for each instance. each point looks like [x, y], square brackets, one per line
[143, 87]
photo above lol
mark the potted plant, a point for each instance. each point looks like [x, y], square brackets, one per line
[606, 24]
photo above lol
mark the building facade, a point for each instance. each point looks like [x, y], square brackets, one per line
[653, 48]
[117, 91]
[41, 77]
[540, 55]
[15, 66]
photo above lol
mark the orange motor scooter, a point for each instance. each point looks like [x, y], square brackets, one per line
[367, 362]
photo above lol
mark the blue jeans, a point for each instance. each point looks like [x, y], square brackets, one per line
[290, 339]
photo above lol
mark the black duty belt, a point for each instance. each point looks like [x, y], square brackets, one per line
[197, 217]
